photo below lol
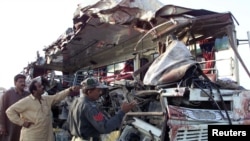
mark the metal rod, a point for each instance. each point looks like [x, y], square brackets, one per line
[248, 36]
[145, 114]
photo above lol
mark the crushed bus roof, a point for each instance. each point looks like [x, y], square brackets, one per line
[100, 34]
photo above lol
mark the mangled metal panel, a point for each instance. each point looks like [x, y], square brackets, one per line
[110, 29]
[101, 26]
[191, 123]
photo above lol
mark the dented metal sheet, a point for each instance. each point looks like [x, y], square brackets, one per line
[239, 101]
[241, 106]
[191, 123]
[127, 27]
[198, 115]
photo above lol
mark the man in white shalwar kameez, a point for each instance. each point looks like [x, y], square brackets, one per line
[34, 114]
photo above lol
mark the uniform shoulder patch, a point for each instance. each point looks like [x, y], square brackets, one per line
[98, 117]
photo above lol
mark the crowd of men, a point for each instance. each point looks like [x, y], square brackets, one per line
[25, 114]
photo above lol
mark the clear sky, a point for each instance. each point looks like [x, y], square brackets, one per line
[28, 25]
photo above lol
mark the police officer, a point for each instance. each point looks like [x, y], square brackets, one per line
[86, 121]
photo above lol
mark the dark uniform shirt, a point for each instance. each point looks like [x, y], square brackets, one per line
[86, 120]
[7, 99]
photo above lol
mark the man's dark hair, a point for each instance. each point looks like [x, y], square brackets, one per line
[32, 86]
[18, 76]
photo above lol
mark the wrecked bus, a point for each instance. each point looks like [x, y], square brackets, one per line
[179, 64]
